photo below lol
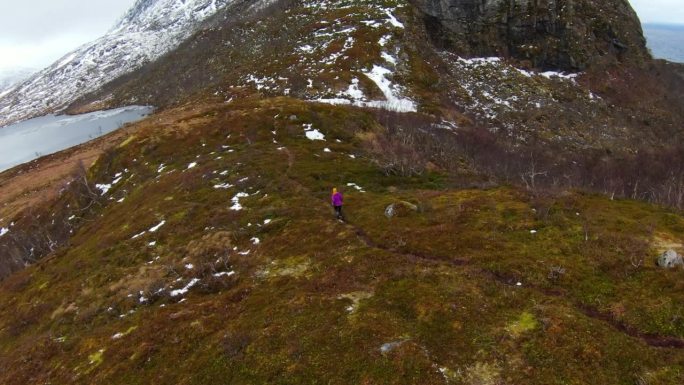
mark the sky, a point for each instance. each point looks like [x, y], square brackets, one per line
[36, 33]
[659, 11]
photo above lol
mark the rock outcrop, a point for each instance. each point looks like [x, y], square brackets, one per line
[670, 259]
[570, 35]
[400, 209]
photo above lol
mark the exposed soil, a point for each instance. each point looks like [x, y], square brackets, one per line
[38, 181]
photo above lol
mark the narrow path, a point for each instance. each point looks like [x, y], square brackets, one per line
[653, 340]
[650, 339]
[414, 257]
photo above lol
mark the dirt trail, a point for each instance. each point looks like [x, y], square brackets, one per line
[653, 340]
[413, 257]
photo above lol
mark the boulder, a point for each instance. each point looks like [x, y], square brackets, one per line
[670, 259]
[400, 209]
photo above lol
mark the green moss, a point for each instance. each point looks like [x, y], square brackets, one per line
[525, 323]
[94, 360]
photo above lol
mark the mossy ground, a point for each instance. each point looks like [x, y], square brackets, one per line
[458, 291]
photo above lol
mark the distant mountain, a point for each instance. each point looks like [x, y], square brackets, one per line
[12, 77]
[150, 29]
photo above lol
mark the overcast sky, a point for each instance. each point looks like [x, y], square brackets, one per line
[35, 33]
[660, 11]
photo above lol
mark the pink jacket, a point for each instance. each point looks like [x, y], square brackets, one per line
[337, 199]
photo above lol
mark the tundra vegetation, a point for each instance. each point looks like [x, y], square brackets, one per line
[503, 231]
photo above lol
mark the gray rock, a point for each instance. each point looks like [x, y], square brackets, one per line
[389, 211]
[399, 209]
[570, 35]
[670, 259]
[388, 347]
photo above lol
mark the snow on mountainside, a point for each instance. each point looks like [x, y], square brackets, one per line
[9, 79]
[149, 29]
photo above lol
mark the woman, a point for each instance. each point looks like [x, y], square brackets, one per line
[337, 203]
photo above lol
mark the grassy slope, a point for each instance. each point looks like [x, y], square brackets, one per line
[426, 297]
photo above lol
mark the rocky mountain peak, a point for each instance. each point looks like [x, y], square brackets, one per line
[559, 34]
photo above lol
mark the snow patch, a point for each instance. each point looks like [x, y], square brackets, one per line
[393, 20]
[104, 188]
[184, 290]
[224, 274]
[394, 103]
[389, 58]
[236, 201]
[479, 60]
[306, 49]
[312, 133]
[559, 75]
[357, 187]
[157, 227]
[354, 92]
[66, 60]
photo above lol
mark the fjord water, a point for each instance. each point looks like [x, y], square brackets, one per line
[31, 139]
[666, 41]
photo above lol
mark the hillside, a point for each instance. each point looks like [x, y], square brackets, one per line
[217, 245]
[503, 212]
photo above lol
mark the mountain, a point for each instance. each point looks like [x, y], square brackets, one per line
[150, 29]
[556, 34]
[505, 206]
[376, 59]
[8, 79]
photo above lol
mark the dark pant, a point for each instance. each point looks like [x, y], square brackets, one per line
[338, 212]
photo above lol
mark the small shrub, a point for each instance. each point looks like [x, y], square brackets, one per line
[555, 273]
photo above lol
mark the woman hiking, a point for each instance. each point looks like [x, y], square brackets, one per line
[337, 201]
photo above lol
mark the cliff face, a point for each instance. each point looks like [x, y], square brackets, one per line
[563, 34]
